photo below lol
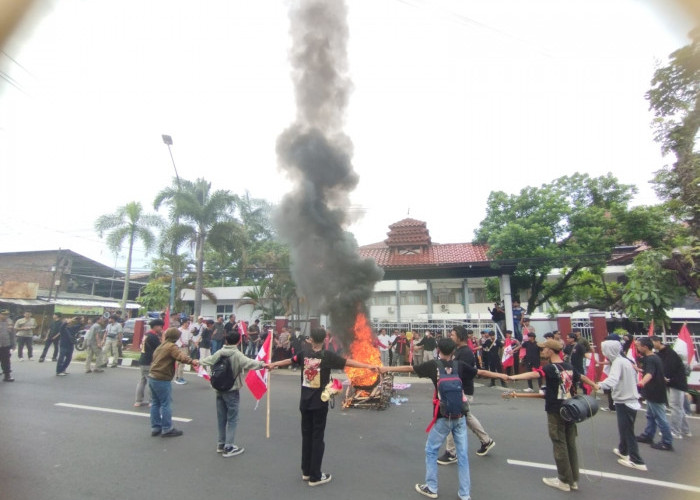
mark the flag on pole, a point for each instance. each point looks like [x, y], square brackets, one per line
[591, 372]
[507, 358]
[201, 372]
[632, 354]
[256, 380]
[684, 346]
[651, 328]
[166, 320]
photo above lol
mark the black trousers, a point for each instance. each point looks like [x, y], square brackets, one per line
[5, 360]
[47, 345]
[313, 428]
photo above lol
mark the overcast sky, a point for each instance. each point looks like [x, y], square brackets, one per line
[452, 100]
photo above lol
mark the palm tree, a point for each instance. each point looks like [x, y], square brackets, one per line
[198, 216]
[128, 222]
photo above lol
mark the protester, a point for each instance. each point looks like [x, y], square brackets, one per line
[113, 338]
[315, 375]
[217, 338]
[52, 338]
[7, 343]
[149, 344]
[622, 380]
[677, 382]
[227, 401]
[159, 377]
[24, 331]
[66, 344]
[653, 387]
[532, 359]
[94, 340]
[560, 381]
[183, 343]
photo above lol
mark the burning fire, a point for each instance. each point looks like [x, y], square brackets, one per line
[362, 349]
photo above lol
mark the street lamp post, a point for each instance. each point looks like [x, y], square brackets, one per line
[168, 141]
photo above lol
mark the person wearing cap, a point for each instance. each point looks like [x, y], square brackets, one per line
[622, 380]
[7, 343]
[149, 343]
[560, 382]
[532, 359]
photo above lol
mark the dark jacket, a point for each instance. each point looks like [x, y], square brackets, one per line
[674, 369]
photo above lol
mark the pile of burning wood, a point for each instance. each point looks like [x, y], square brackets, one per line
[376, 397]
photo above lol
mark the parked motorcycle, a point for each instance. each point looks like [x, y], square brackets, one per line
[80, 341]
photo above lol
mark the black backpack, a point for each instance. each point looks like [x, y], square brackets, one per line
[450, 393]
[222, 378]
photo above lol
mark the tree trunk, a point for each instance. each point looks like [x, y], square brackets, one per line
[125, 293]
[200, 275]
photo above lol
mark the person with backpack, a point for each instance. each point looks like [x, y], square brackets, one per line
[449, 408]
[561, 380]
[227, 364]
[315, 375]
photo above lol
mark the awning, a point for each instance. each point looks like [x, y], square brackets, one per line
[94, 303]
[26, 302]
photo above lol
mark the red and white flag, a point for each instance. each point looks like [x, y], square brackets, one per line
[243, 328]
[684, 346]
[651, 328]
[256, 380]
[591, 372]
[507, 358]
[632, 354]
[166, 320]
[203, 373]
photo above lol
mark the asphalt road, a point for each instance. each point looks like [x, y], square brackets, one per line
[64, 452]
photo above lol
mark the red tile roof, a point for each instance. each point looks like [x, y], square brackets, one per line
[435, 255]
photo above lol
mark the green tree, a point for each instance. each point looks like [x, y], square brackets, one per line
[198, 216]
[128, 223]
[155, 296]
[674, 98]
[571, 224]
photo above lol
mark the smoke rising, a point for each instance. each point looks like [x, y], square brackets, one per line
[317, 156]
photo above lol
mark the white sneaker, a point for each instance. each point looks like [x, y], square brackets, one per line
[232, 451]
[555, 483]
[688, 434]
[620, 455]
[676, 436]
[574, 486]
[325, 478]
[631, 464]
[528, 390]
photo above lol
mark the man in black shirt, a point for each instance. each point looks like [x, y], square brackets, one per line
[653, 389]
[315, 374]
[677, 383]
[575, 354]
[561, 380]
[492, 350]
[149, 343]
[532, 359]
[443, 425]
[52, 337]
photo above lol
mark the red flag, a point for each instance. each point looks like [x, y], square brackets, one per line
[256, 380]
[166, 320]
[632, 354]
[684, 346]
[507, 358]
[591, 372]
[651, 328]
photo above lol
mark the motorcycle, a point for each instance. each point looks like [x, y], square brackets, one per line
[80, 340]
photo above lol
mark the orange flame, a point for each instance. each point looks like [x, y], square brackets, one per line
[362, 349]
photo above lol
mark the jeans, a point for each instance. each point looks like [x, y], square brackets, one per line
[47, 345]
[473, 425]
[443, 427]
[21, 342]
[142, 395]
[679, 424]
[215, 345]
[625, 427]
[161, 410]
[563, 436]
[252, 350]
[227, 415]
[313, 428]
[656, 415]
[65, 354]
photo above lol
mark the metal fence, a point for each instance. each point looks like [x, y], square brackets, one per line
[439, 326]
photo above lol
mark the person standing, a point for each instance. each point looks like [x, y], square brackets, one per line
[7, 343]
[518, 313]
[622, 381]
[401, 348]
[52, 338]
[316, 364]
[492, 349]
[428, 343]
[217, 338]
[532, 359]
[574, 353]
[159, 382]
[24, 331]
[653, 386]
[227, 402]
[253, 339]
[445, 424]
[113, 338]
[677, 383]
[384, 342]
[183, 343]
[204, 340]
[149, 344]
[66, 344]
[94, 340]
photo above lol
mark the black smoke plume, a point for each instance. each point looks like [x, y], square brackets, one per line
[317, 156]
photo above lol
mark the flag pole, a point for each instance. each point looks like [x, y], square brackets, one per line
[269, 384]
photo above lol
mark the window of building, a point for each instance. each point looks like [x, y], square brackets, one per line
[224, 309]
[383, 299]
[417, 298]
[477, 295]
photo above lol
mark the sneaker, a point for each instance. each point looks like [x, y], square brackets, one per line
[425, 491]
[631, 464]
[232, 451]
[555, 483]
[643, 439]
[62, 374]
[180, 381]
[98, 370]
[171, 433]
[142, 403]
[620, 455]
[528, 390]
[219, 447]
[8, 378]
[574, 486]
[688, 434]
[485, 447]
[156, 432]
[676, 436]
[447, 459]
[304, 477]
[603, 408]
[325, 478]
[662, 446]
[41, 360]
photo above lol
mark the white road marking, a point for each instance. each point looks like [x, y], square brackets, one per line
[611, 475]
[120, 412]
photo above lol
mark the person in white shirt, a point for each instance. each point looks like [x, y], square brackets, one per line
[384, 343]
[113, 337]
[183, 343]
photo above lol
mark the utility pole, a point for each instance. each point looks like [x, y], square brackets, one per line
[168, 141]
